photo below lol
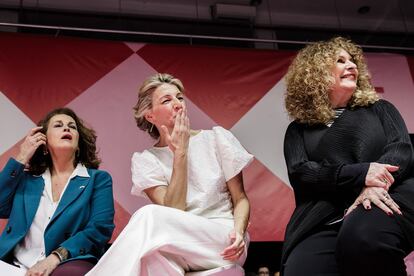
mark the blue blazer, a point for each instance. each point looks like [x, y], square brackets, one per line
[82, 222]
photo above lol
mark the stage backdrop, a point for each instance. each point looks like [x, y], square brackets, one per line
[241, 90]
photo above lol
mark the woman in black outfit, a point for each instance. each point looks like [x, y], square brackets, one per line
[350, 163]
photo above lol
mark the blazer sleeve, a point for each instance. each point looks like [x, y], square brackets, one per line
[9, 181]
[398, 150]
[320, 179]
[94, 236]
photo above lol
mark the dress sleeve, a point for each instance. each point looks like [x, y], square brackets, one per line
[398, 150]
[146, 173]
[9, 181]
[233, 157]
[320, 179]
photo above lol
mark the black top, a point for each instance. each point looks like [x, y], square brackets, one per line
[327, 166]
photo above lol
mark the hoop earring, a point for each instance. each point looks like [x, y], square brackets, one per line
[152, 126]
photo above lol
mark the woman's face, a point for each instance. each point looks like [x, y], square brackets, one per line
[62, 133]
[167, 100]
[345, 74]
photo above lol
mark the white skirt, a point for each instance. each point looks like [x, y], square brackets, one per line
[159, 240]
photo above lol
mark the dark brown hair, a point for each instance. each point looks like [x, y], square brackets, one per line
[87, 154]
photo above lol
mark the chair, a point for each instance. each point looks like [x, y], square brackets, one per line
[227, 270]
[409, 263]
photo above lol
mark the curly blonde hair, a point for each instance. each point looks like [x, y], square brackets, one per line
[144, 102]
[310, 78]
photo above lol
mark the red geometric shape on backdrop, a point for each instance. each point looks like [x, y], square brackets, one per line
[224, 83]
[272, 203]
[120, 220]
[56, 70]
[11, 152]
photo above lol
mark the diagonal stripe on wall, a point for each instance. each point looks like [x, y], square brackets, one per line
[224, 83]
[40, 73]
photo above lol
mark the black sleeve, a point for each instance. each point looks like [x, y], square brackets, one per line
[316, 178]
[398, 150]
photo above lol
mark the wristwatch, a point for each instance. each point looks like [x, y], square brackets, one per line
[62, 253]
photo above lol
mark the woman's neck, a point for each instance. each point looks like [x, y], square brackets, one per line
[63, 165]
[162, 141]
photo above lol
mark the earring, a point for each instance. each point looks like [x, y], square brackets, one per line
[152, 126]
[77, 153]
[45, 152]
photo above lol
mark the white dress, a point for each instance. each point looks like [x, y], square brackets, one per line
[159, 240]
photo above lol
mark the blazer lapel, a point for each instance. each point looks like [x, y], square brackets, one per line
[75, 187]
[33, 192]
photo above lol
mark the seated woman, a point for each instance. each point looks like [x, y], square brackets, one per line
[59, 206]
[201, 211]
[349, 152]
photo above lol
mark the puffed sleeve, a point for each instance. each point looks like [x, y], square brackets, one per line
[146, 173]
[233, 157]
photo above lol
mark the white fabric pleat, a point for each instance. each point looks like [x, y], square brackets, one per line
[160, 240]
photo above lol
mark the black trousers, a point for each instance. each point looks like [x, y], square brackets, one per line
[367, 243]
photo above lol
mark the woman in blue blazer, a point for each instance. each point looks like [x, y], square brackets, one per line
[59, 206]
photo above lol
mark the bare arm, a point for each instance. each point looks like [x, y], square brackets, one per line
[174, 195]
[241, 212]
[240, 203]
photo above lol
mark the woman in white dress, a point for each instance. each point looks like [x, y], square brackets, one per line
[201, 211]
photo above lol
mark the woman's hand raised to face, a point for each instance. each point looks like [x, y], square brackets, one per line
[379, 175]
[178, 140]
[30, 144]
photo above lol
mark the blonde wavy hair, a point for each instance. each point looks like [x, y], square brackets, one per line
[309, 80]
[144, 102]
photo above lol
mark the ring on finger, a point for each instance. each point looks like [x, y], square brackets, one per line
[365, 198]
[385, 180]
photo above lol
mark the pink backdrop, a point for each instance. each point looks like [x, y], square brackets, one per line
[242, 90]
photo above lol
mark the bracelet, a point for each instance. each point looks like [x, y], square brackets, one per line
[62, 253]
